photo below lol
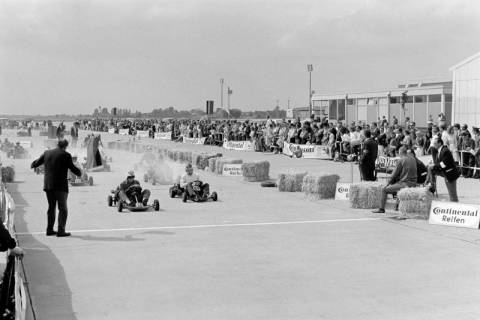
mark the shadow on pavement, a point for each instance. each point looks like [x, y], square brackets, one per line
[51, 295]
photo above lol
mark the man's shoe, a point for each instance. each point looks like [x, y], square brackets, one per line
[379, 211]
[64, 234]
[51, 232]
[432, 189]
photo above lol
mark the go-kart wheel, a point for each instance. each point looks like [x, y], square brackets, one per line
[156, 205]
[214, 196]
[90, 181]
[184, 197]
[110, 201]
[119, 206]
[172, 193]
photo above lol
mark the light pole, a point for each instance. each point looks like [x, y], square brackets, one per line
[310, 69]
[229, 93]
[221, 92]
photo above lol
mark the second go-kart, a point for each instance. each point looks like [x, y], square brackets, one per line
[199, 192]
[134, 205]
[83, 180]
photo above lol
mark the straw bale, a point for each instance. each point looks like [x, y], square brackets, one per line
[8, 173]
[320, 186]
[256, 171]
[290, 181]
[365, 195]
[415, 203]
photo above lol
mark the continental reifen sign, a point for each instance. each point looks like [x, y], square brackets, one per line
[454, 214]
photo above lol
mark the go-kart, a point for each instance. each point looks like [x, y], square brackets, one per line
[198, 194]
[134, 206]
[83, 180]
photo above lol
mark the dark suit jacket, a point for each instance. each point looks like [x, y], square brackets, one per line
[445, 164]
[57, 162]
[369, 152]
[6, 240]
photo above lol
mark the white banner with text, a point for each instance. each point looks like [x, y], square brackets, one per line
[454, 214]
[163, 135]
[307, 151]
[238, 145]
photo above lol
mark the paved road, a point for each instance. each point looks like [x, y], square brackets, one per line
[255, 254]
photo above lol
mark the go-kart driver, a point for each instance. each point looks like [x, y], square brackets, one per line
[189, 177]
[128, 188]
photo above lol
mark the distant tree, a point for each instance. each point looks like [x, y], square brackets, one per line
[235, 113]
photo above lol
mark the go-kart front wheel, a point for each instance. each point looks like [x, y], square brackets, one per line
[214, 196]
[156, 205]
[119, 206]
[171, 193]
[110, 201]
[184, 197]
[90, 181]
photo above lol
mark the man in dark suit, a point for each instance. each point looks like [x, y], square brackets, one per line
[57, 162]
[444, 166]
[368, 156]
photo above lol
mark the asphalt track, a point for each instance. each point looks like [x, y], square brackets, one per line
[255, 254]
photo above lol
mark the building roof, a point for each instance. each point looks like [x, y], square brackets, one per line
[467, 60]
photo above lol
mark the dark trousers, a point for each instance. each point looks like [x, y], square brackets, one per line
[367, 171]
[451, 185]
[55, 197]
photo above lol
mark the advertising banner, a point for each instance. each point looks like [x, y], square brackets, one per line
[307, 151]
[454, 214]
[238, 145]
[123, 132]
[341, 193]
[142, 133]
[386, 163]
[163, 135]
[232, 170]
[194, 140]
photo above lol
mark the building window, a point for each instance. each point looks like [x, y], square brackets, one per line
[333, 109]
[394, 100]
[324, 103]
[409, 99]
[435, 98]
[341, 110]
[448, 97]
[351, 102]
[372, 101]
[420, 99]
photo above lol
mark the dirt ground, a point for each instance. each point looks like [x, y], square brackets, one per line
[255, 254]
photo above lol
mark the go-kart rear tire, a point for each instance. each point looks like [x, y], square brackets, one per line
[110, 201]
[90, 181]
[156, 205]
[184, 197]
[119, 206]
[172, 193]
[214, 196]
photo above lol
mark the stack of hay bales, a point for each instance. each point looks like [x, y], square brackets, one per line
[320, 186]
[195, 158]
[291, 181]
[256, 171]
[170, 155]
[176, 155]
[8, 174]
[415, 203]
[220, 162]
[211, 164]
[203, 161]
[365, 195]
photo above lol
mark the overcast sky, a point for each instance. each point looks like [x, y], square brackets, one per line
[72, 56]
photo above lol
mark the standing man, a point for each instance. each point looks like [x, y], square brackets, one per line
[368, 156]
[74, 134]
[57, 162]
[404, 176]
[444, 166]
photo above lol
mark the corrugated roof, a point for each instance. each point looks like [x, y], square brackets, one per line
[467, 60]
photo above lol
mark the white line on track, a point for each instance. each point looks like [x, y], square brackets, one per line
[201, 226]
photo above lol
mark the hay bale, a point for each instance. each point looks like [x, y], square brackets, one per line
[176, 155]
[415, 203]
[188, 156]
[321, 186]
[211, 164]
[204, 159]
[8, 174]
[256, 171]
[111, 144]
[365, 195]
[220, 162]
[195, 159]
[170, 154]
[290, 182]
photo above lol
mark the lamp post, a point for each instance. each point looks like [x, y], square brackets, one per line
[221, 92]
[310, 69]
[229, 93]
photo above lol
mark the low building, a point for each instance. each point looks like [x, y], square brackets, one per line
[466, 91]
[423, 101]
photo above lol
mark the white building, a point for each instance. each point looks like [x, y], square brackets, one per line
[466, 91]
